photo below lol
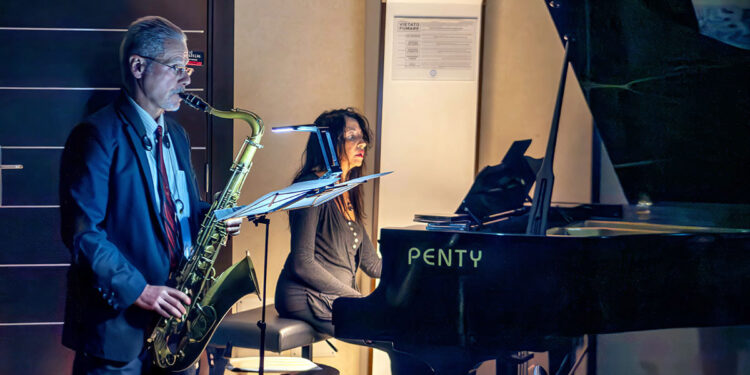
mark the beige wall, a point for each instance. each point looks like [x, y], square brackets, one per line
[521, 70]
[293, 60]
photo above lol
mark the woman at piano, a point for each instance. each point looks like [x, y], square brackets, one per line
[329, 242]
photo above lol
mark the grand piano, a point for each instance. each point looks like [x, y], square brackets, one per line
[668, 84]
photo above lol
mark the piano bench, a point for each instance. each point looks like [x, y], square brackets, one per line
[241, 330]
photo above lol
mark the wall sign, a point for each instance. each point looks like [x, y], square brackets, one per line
[435, 48]
[195, 58]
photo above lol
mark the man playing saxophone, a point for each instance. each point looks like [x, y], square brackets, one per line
[130, 206]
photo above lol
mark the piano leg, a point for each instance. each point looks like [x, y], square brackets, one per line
[591, 359]
[506, 368]
[514, 364]
[443, 360]
[401, 362]
[561, 360]
[405, 364]
[563, 357]
[720, 348]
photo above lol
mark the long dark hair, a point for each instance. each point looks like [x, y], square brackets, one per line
[313, 161]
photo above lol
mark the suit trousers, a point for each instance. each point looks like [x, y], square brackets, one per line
[85, 364]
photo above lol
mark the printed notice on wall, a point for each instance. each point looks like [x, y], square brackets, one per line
[434, 49]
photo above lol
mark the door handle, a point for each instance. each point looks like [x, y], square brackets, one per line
[2, 168]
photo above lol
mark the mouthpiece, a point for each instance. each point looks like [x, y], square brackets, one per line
[195, 102]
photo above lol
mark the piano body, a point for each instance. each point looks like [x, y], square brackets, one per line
[455, 299]
[673, 108]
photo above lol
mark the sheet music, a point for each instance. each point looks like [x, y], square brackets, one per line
[298, 195]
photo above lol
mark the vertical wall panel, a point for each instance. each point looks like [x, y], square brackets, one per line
[293, 60]
[521, 71]
[34, 350]
[24, 112]
[188, 14]
[44, 247]
[37, 296]
[35, 184]
[60, 63]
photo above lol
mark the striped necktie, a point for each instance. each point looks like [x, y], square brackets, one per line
[167, 205]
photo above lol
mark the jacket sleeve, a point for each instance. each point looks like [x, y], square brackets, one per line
[304, 266]
[371, 263]
[84, 191]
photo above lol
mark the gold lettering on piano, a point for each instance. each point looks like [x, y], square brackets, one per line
[477, 259]
[461, 253]
[444, 257]
[427, 256]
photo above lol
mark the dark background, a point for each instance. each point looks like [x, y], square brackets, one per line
[53, 75]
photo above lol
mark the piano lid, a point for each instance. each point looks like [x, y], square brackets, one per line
[669, 89]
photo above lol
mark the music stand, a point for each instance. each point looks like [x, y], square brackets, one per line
[298, 195]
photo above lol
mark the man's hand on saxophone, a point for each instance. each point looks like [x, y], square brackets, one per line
[164, 300]
[233, 225]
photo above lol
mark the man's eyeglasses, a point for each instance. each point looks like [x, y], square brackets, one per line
[176, 68]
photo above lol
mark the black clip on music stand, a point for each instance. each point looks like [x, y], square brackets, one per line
[298, 195]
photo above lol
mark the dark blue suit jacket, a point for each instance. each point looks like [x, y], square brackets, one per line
[111, 225]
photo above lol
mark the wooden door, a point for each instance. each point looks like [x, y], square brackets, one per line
[59, 64]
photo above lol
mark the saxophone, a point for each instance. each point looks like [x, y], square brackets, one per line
[176, 343]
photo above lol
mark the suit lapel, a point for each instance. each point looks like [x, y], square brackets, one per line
[136, 131]
[183, 152]
[181, 148]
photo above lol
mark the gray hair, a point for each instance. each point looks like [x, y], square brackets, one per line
[145, 37]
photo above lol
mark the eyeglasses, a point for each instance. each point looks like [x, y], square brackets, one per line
[356, 138]
[177, 69]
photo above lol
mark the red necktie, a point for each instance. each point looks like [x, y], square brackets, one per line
[167, 205]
